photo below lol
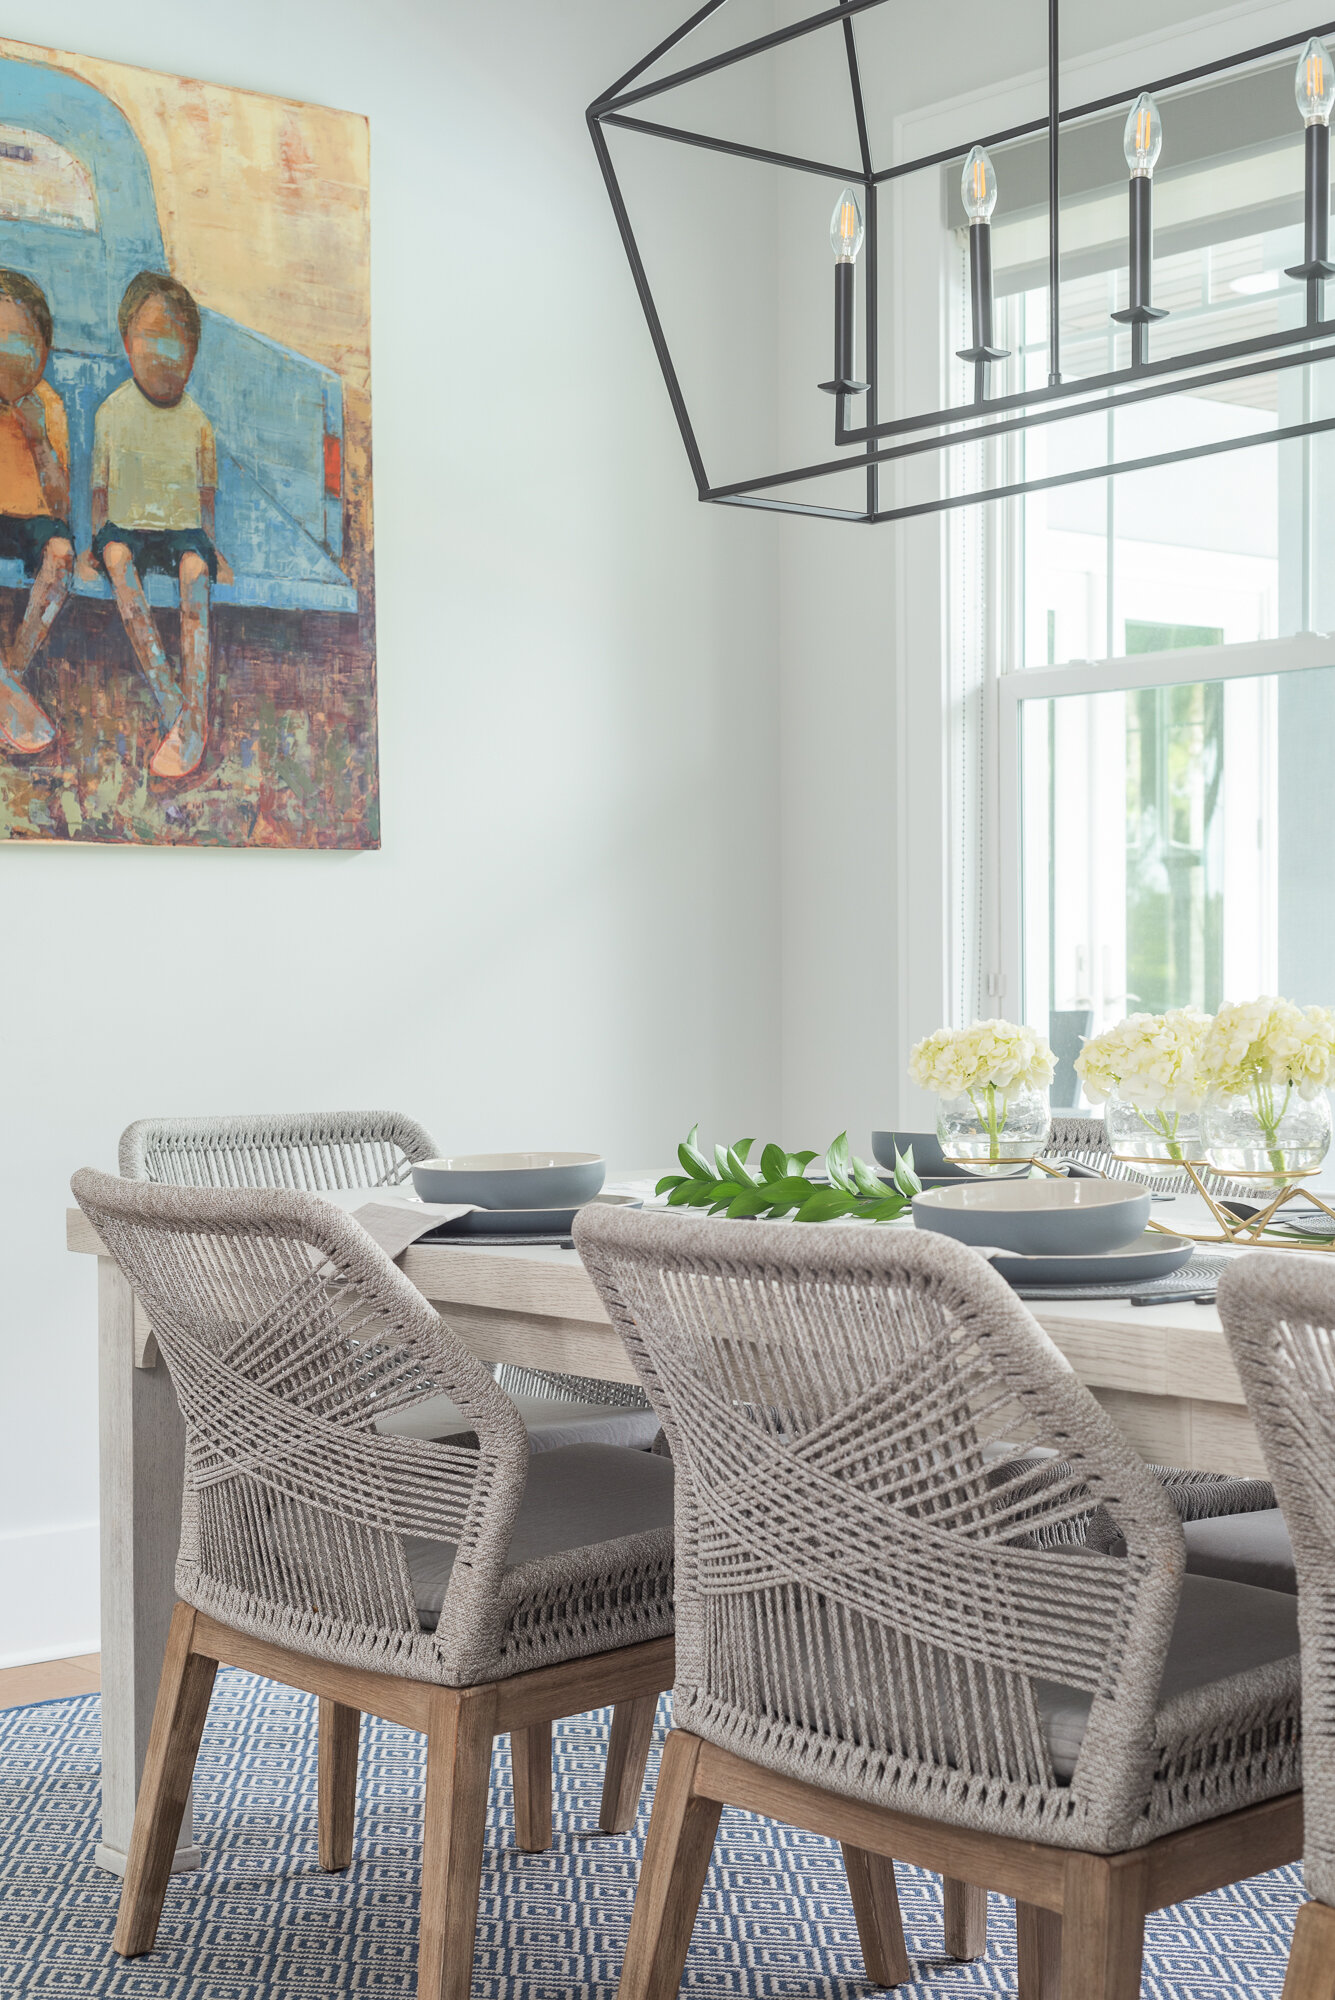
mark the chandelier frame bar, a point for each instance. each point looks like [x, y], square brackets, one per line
[982, 433]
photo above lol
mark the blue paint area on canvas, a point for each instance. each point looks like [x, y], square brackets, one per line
[270, 407]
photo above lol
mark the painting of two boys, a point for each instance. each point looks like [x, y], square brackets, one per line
[154, 482]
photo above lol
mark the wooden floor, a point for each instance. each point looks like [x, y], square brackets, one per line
[48, 1680]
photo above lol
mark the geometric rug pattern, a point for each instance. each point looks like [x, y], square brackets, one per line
[261, 1921]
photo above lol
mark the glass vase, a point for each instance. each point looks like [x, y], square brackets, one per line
[1268, 1134]
[1153, 1142]
[992, 1130]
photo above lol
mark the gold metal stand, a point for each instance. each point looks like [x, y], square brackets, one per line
[1250, 1231]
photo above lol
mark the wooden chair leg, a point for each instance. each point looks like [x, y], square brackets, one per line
[871, 1883]
[965, 1918]
[1103, 1928]
[677, 1854]
[1311, 1973]
[1038, 1953]
[531, 1764]
[184, 1688]
[460, 1729]
[627, 1754]
[339, 1729]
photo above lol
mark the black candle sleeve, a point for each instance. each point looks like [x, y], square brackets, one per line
[845, 332]
[980, 297]
[1316, 207]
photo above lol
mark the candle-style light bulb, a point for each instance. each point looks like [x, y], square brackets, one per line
[978, 186]
[846, 228]
[1314, 84]
[978, 192]
[1142, 141]
[1314, 90]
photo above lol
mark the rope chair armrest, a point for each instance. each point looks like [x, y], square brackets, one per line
[1278, 1315]
[287, 1330]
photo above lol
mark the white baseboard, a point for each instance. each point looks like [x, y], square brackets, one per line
[48, 1594]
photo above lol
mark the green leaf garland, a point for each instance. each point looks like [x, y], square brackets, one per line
[729, 1186]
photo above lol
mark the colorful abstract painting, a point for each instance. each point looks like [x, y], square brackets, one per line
[186, 568]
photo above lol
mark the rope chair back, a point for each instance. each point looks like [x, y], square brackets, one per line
[287, 1332]
[1278, 1312]
[318, 1151]
[313, 1151]
[871, 1592]
[1077, 1137]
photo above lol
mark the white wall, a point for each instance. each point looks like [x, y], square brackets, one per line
[577, 683]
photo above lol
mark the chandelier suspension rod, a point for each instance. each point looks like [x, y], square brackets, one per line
[1054, 203]
[873, 281]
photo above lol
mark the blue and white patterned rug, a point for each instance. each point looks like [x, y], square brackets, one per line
[260, 1920]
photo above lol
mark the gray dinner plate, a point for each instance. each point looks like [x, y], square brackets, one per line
[528, 1221]
[1152, 1257]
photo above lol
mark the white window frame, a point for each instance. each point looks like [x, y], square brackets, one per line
[1136, 670]
[958, 925]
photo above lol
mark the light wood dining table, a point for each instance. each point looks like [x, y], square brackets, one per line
[1163, 1373]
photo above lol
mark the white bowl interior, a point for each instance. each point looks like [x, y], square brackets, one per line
[507, 1163]
[1029, 1197]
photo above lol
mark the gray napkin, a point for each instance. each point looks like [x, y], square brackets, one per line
[396, 1224]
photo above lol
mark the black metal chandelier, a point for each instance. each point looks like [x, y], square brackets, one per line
[875, 442]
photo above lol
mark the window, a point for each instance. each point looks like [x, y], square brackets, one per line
[1166, 712]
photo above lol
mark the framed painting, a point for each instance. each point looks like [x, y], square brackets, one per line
[186, 552]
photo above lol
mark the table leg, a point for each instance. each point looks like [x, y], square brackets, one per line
[141, 1457]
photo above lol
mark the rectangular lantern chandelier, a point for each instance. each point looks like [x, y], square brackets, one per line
[866, 441]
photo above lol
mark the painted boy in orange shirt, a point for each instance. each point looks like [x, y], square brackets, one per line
[34, 498]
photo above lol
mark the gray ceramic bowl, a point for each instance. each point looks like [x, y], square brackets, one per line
[511, 1180]
[1046, 1218]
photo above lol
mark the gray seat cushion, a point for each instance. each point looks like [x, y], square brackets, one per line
[550, 1423]
[1246, 1548]
[1222, 1628]
[548, 1420]
[577, 1496]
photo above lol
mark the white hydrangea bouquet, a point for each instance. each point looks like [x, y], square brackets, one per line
[1266, 1065]
[1146, 1070]
[992, 1080]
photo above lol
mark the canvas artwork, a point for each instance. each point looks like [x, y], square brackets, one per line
[186, 589]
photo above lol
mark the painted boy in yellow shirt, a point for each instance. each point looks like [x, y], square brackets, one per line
[34, 498]
[155, 474]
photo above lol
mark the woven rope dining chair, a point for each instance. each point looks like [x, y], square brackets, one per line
[459, 1590]
[876, 1642]
[322, 1151]
[1278, 1312]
